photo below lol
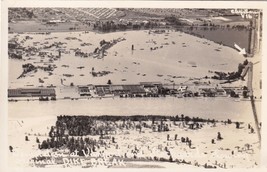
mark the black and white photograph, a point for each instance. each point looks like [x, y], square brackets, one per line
[128, 87]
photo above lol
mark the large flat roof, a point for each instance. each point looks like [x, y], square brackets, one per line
[31, 92]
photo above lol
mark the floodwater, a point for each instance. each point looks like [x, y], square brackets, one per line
[178, 53]
[175, 55]
[225, 36]
[213, 108]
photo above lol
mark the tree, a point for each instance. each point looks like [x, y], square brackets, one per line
[175, 137]
[237, 124]
[245, 94]
[187, 119]
[109, 82]
[245, 62]
[37, 140]
[182, 117]
[11, 148]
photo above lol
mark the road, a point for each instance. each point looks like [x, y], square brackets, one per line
[250, 88]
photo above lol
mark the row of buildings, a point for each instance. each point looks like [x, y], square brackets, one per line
[143, 89]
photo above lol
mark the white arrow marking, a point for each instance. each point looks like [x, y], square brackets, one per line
[241, 51]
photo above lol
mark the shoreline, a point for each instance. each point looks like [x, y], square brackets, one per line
[138, 98]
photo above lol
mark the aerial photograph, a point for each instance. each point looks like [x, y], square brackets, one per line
[134, 87]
